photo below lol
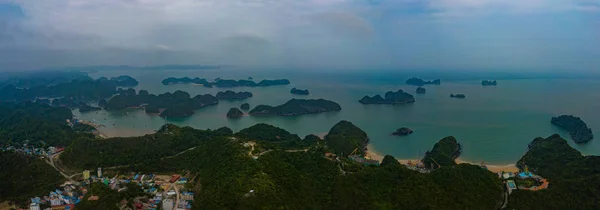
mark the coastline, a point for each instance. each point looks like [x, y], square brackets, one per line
[372, 154]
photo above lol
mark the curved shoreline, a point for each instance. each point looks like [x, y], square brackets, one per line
[493, 168]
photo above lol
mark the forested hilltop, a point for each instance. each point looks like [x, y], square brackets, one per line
[36, 123]
[574, 178]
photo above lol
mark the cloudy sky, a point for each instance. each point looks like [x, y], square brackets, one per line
[510, 35]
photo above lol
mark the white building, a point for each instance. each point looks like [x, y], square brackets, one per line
[34, 206]
[171, 193]
[168, 204]
[99, 172]
[56, 202]
[51, 150]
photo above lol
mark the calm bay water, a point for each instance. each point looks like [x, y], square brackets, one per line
[494, 124]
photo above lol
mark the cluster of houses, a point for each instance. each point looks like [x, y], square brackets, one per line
[31, 150]
[159, 191]
[63, 198]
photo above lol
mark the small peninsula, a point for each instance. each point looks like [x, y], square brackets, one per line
[234, 113]
[421, 90]
[489, 83]
[245, 106]
[420, 82]
[578, 130]
[299, 91]
[297, 107]
[458, 95]
[398, 97]
[224, 83]
[404, 131]
[230, 95]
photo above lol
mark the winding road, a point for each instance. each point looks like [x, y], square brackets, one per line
[50, 161]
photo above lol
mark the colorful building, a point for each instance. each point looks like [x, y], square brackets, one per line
[86, 174]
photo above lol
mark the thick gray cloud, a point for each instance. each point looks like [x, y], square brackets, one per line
[312, 34]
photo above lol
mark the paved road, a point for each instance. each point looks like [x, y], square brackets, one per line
[184, 151]
[176, 191]
[51, 163]
[505, 198]
[174, 187]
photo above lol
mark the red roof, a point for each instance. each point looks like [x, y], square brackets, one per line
[175, 177]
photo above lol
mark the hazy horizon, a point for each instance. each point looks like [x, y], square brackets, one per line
[553, 36]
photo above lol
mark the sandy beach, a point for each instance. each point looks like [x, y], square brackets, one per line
[371, 153]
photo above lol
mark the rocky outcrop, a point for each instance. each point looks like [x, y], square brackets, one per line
[404, 131]
[458, 95]
[124, 81]
[234, 113]
[245, 106]
[299, 91]
[297, 107]
[230, 95]
[488, 83]
[420, 82]
[398, 97]
[421, 90]
[578, 130]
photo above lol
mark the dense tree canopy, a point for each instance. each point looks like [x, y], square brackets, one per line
[91, 153]
[36, 123]
[23, 176]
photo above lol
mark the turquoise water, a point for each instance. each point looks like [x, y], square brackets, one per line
[494, 124]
